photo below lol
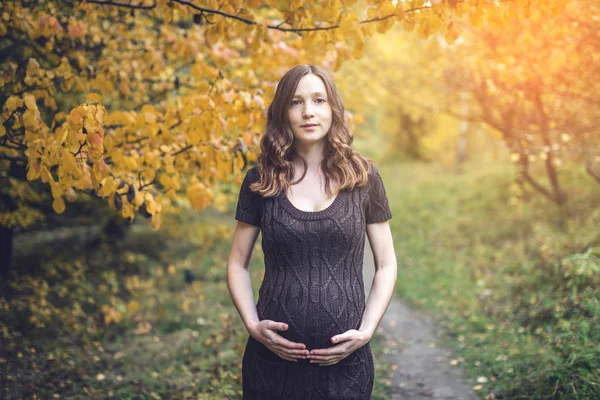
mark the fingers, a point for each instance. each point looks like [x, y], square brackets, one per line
[287, 353]
[291, 356]
[325, 360]
[289, 344]
[280, 340]
[277, 326]
[328, 356]
[281, 346]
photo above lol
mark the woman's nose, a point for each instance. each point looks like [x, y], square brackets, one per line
[308, 112]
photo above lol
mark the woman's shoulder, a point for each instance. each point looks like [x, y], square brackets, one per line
[252, 174]
[372, 172]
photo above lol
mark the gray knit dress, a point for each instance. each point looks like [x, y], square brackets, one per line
[312, 282]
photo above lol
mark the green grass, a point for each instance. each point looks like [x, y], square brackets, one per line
[494, 264]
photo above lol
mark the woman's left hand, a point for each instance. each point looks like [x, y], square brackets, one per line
[349, 342]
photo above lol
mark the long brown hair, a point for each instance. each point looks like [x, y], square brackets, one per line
[342, 163]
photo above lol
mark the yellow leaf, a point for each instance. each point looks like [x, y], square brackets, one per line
[199, 197]
[56, 190]
[109, 186]
[452, 33]
[64, 132]
[2, 130]
[46, 175]
[348, 26]
[50, 103]
[165, 181]
[150, 205]
[358, 52]
[194, 136]
[12, 103]
[92, 97]
[30, 102]
[399, 12]
[259, 35]
[175, 182]
[127, 210]
[156, 221]
[33, 171]
[30, 119]
[58, 205]
[387, 8]
[371, 12]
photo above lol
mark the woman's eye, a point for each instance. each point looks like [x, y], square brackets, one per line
[295, 102]
[319, 100]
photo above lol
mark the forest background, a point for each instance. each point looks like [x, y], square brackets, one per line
[127, 127]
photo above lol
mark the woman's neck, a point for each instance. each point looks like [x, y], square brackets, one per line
[313, 157]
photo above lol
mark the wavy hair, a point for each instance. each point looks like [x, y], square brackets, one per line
[342, 164]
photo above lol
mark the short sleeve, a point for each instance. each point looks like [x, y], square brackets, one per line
[249, 207]
[378, 208]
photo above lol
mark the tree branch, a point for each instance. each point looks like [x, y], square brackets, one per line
[242, 19]
[125, 5]
[594, 174]
[13, 158]
[9, 146]
[532, 182]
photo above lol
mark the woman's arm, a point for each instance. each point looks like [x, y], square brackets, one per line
[240, 289]
[238, 277]
[386, 271]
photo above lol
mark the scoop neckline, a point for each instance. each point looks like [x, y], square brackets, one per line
[311, 215]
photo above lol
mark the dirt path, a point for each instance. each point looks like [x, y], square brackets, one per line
[424, 370]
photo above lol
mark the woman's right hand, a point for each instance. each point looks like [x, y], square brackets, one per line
[264, 332]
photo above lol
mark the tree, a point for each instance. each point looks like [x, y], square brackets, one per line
[146, 103]
[535, 83]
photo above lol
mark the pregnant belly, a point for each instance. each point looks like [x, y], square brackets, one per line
[313, 323]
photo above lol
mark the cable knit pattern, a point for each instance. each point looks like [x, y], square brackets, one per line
[313, 282]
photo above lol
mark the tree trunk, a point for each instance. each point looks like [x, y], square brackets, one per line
[461, 143]
[590, 170]
[560, 196]
[6, 247]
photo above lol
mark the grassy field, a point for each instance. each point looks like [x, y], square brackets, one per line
[513, 280]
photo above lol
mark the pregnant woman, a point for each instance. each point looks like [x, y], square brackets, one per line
[313, 197]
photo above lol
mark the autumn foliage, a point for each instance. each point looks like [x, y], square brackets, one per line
[149, 104]
[530, 85]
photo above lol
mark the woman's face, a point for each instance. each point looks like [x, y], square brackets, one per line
[309, 112]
